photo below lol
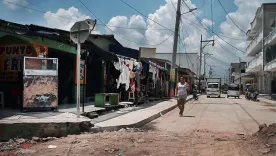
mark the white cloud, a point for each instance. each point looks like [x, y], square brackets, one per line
[64, 19]
[122, 26]
[12, 3]
[207, 22]
[242, 17]
[150, 33]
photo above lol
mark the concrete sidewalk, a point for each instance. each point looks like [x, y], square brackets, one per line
[41, 124]
[136, 118]
[15, 124]
[267, 101]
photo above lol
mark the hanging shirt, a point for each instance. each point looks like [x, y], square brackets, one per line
[124, 77]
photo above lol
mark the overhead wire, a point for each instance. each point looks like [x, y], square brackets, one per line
[180, 41]
[230, 17]
[119, 34]
[145, 15]
[212, 18]
[208, 28]
[72, 19]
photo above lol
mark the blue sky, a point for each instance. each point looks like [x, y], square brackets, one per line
[104, 9]
[116, 13]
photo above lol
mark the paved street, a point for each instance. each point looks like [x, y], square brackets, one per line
[210, 127]
[218, 115]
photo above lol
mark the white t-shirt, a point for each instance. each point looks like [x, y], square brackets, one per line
[181, 89]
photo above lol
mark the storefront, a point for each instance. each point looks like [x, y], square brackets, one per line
[19, 41]
[128, 77]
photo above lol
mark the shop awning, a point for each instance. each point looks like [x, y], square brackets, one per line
[148, 61]
[123, 51]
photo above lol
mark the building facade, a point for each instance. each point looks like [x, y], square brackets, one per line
[261, 46]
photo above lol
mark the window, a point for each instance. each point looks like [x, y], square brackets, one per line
[213, 86]
[233, 88]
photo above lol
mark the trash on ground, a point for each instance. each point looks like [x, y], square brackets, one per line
[52, 146]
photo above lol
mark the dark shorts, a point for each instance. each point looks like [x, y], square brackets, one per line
[181, 97]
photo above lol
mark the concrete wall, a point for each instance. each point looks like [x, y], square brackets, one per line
[184, 60]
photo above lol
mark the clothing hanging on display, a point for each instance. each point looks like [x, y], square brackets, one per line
[118, 65]
[124, 77]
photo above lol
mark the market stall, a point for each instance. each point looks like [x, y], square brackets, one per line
[152, 79]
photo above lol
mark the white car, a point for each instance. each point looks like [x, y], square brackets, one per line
[213, 90]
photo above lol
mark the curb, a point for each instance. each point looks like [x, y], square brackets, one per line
[135, 125]
[271, 104]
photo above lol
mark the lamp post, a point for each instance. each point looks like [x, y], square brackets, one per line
[200, 56]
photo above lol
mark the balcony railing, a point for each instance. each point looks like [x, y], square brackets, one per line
[255, 64]
[271, 38]
[270, 66]
[257, 22]
[255, 45]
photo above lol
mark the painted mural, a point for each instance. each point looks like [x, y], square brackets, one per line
[40, 91]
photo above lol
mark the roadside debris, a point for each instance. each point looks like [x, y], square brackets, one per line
[111, 150]
[266, 136]
[130, 130]
[52, 146]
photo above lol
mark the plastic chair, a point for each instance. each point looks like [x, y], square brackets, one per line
[131, 96]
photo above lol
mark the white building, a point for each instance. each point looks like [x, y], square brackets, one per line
[261, 39]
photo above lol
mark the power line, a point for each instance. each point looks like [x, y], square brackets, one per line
[76, 20]
[230, 17]
[239, 39]
[212, 17]
[220, 33]
[200, 21]
[225, 49]
[218, 60]
[145, 15]
[118, 34]
[44, 12]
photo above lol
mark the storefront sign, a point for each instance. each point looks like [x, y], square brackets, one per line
[11, 58]
[82, 72]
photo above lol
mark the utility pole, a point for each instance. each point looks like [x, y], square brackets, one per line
[200, 57]
[172, 73]
[240, 73]
[200, 61]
